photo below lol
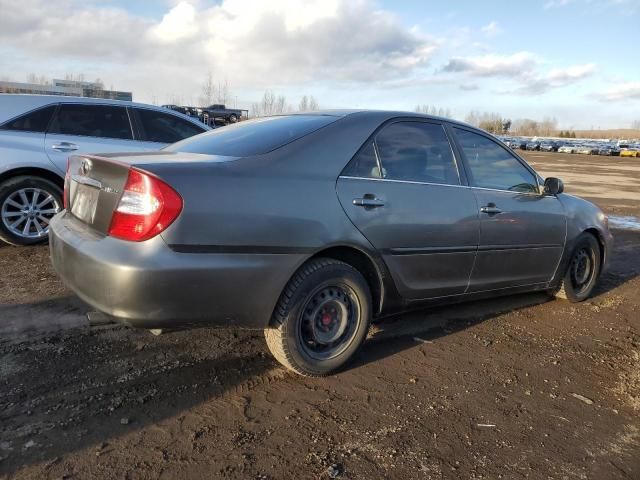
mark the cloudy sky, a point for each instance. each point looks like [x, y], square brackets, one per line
[576, 60]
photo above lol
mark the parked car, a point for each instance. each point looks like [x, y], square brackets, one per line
[547, 147]
[37, 134]
[532, 146]
[512, 143]
[311, 225]
[586, 150]
[568, 148]
[212, 114]
[630, 152]
[608, 150]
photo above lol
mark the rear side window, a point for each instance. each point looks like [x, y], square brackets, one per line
[417, 151]
[162, 127]
[492, 166]
[253, 137]
[364, 164]
[35, 121]
[92, 121]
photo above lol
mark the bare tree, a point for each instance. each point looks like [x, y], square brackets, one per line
[313, 104]
[432, 110]
[303, 106]
[37, 79]
[268, 103]
[473, 118]
[222, 92]
[206, 98]
[280, 105]
[635, 125]
[526, 126]
[74, 78]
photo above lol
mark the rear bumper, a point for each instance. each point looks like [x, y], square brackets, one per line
[148, 285]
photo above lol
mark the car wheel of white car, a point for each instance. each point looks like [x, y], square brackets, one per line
[27, 204]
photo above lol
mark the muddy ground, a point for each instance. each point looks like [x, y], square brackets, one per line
[518, 387]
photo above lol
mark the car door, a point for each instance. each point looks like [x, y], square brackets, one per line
[158, 129]
[89, 128]
[22, 139]
[403, 191]
[522, 232]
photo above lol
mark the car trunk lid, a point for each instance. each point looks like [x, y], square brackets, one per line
[94, 183]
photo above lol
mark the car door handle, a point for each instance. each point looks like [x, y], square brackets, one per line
[64, 147]
[490, 209]
[368, 201]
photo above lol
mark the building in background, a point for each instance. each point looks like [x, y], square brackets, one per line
[74, 88]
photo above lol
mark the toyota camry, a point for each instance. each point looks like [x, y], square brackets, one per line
[310, 226]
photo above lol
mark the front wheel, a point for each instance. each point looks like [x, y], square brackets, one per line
[583, 270]
[321, 319]
[27, 204]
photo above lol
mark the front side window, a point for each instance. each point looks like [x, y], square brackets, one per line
[492, 166]
[162, 127]
[92, 121]
[417, 151]
[36, 121]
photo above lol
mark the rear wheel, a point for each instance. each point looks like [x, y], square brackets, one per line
[321, 319]
[583, 270]
[27, 204]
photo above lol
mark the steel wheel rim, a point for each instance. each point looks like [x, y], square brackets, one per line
[582, 269]
[329, 321]
[26, 212]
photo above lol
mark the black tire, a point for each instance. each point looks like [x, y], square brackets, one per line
[575, 286]
[233, 118]
[300, 318]
[29, 183]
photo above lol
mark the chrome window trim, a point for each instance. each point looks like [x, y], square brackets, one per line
[349, 177]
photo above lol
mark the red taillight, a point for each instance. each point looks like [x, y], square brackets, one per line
[147, 207]
[65, 192]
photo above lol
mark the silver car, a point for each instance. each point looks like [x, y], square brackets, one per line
[38, 132]
[311, 225]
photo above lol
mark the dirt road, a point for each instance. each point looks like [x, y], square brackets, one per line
[519, 387]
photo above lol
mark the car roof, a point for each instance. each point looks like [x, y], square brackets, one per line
[380, 115]
[14, 104]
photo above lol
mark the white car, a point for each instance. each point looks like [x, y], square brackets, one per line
[39, 132]
[566, 149]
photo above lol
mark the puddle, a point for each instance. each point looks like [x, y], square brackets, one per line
[626, 222]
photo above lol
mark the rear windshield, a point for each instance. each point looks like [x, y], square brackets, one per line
[252, 137]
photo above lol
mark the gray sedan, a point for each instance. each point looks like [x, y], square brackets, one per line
[311, 225]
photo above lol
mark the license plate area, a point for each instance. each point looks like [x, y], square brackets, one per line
[84, 200]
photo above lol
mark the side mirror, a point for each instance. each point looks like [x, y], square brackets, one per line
[553, 186]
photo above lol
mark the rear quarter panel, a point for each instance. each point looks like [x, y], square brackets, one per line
[284, 199]
[24, 149]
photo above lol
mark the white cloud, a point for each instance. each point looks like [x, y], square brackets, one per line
[491, 29]
[253, 43]
[177, 24]
[556, 78]
[621, 92]
[523, 68]
[492, 65]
